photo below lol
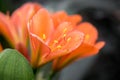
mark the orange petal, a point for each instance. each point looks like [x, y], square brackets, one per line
[59, 17]
[8, 29]
[61, 31]
[84, 50]
[89, 50]
[60, 14]
[39, 50]
[74, 19]
[100, 44]
[24, 13]
[21, 16]
[90, 32]
[68, 44]
[41, 24]
[29, 9]
[73, 40]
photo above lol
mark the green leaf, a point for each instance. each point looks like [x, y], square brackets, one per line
[13, 66]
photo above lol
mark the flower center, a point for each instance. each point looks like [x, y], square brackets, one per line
[60, 43]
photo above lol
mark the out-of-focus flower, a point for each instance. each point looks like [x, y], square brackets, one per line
[88, 47]
[14, 27]
[52, 36]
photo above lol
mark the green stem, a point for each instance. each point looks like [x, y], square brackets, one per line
[52, 74]
[34, 71]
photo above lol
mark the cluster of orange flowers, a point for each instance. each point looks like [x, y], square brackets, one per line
[42, 36]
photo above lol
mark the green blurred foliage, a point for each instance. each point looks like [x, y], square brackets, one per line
[14, 66]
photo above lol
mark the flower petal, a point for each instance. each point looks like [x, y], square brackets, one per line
[62, 16]
[75, 19]
[41, 24]
[61, 31]
[87, 50]
[90, 32]
[67, 44]
[24, 13]
[100, 44]
[84, 50]
[21, 16]
[8, 29]
[59, 17]
[39, 50]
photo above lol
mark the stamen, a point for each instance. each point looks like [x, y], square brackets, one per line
[44, 36]
[55, 41]
[59, 46]
[65, 29]
[64, 35]
[68, 39]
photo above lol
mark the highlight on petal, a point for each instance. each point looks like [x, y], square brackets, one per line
[90, 32]
[39, 50]
[41, 25]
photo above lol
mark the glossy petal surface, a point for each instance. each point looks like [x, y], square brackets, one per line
[39, 50]
[90, 32]
[41, 24]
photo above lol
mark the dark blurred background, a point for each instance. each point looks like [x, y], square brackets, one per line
[105, 15]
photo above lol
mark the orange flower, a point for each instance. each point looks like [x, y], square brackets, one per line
[14, 27]
[50, 39]
[88, 47]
